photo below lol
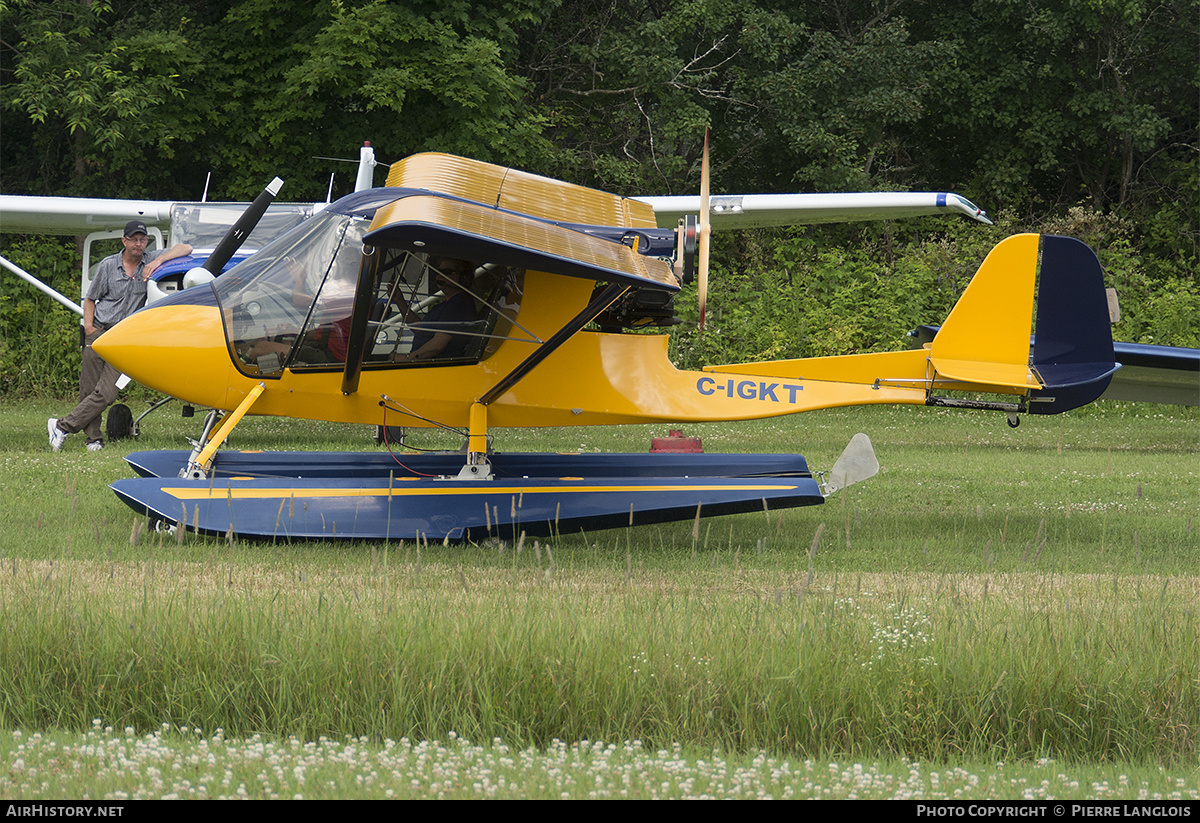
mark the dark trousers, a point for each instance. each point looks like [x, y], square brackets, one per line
[97, 391]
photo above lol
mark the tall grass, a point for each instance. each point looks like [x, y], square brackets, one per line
[992, 594]
[928, 666]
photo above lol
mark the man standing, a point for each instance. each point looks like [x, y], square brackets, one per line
[117, 291]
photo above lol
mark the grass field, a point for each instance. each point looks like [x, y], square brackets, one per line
[1021, 597]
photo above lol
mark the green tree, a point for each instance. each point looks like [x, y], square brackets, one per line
[806, 96]
[89, 92]
[627, 88]
[39, 340]
[834, 91]
[1066, 100]
[108, 90]
[292, 83]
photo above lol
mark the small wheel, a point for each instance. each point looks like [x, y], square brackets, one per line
[1013, 420]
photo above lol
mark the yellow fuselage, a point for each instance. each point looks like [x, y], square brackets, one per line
[592, 379]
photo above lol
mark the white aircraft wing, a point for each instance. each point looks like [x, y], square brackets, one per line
[29, 214]
[745, 211]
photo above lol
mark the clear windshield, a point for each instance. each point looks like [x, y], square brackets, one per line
[291, 302]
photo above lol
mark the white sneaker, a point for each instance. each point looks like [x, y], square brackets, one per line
[95, 447]
[57, 435]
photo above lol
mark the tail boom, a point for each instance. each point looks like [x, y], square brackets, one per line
[986, 346]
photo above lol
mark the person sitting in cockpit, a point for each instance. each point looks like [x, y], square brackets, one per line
[429, 341]
[324, 344]
[324, 340]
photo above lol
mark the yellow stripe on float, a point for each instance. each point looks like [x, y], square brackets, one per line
[311, 494]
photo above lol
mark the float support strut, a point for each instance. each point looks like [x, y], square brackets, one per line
[478, 467]
[203, 454]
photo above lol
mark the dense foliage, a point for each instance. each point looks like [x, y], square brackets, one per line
[1077, 114]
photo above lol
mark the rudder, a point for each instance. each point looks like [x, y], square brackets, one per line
[1072, 345]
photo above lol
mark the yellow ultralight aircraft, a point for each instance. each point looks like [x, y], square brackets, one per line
[469, 296]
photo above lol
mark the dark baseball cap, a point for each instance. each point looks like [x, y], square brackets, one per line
[135, 226]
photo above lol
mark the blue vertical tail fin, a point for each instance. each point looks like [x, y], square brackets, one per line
[1072, 346]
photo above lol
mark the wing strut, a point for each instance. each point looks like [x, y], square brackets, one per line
[356, 345]
[609, 296]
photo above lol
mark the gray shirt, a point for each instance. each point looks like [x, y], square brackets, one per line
[117, 295]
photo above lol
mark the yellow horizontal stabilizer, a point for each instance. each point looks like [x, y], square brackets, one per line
[986, 337]
[1013, 375]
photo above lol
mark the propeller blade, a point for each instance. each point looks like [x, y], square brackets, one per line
[240, 230]
[705, 230]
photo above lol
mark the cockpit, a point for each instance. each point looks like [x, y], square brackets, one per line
[295, 303]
